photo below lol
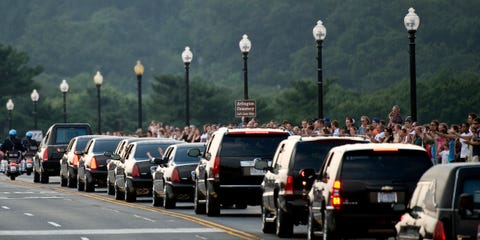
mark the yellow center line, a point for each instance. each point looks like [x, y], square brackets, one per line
[231, 231]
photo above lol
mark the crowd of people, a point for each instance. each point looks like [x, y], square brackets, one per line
[445, 144]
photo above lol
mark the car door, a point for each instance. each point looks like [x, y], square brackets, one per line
[467, 222]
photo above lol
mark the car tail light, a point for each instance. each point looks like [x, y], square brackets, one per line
[45, 155]
[75, 160]
[93, 163]
[175, 175]
[439, 232]
[13, 164]
[335, 198]
[135, 171]
[216, 168]
[29, 160]
[289, 185]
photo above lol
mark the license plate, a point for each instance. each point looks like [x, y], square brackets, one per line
[13, 169]
[29, 165]
[256, 172]
[387, 197]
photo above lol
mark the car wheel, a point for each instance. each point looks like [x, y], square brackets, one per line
[168, 198]
[89, 182]
[44, 177]
[156, 200]
[198, 206]
[284, 224]
[110, 188]
[312, 226]
[130, 193]
[80, 184]
[12, 177]
[267, 227]
[36, 176]
[119, 195]
[71, 178]
[213, 206]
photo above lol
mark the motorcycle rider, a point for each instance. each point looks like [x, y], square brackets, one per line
[12, 143]
[31, 146]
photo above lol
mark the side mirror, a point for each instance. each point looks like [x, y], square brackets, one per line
[107, 154]
[194, 152]
[261, 164]
[466, 205]
[115, 157]
[157, 161]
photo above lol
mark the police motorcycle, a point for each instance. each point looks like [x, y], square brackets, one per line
[12, 164]
[29, 154]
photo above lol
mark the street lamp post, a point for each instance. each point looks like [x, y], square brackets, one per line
[10, 106]
[139, 69]
[412, 21]
[35, 96]
[245, 46]
[319, 33]
[64, 89]
[187, 58]
[98, 80]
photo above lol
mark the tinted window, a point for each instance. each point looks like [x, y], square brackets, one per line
[311, 154]
[104, 146]
[81, 143]
[64, 135]
[250, 145]
[142, 149]
[402, 165]
[472, 186]
[181, 156]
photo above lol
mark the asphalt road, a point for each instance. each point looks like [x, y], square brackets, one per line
[47, 211]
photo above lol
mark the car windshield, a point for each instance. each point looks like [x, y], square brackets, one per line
[402, 165]
[64, 135]
[238, 145]
[310, 154]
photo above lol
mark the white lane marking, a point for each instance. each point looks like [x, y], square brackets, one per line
[19, 198]
[5, 207]
[203, 238]
[23, 192]
[54, 224]
[144, 218]
[108, 231]
[84, 238]
[28, 214]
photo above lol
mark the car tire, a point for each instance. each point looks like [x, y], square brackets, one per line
[267, 227]
[71, 178]
[80, 184]
[12, 177]
[44, 177]
[284, 224]
[63, 181]
[110, 188]
[156, 200]
[119, 195]
[312, 226]
[130, 193]
[212, 205]
[89, 182]
[198, 206]
[36, 176]
[168, 199]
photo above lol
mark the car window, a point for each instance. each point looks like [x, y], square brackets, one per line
[282, 157]
[250, 145]
[472, 186]
[401, 165]
[103, 146]
[183, 152]
[154, 149]
[64, 135]
[311, 154]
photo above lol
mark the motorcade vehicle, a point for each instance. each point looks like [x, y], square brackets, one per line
[46, 162]
[289, 177]
[172, 178]
[225, 175]
[71, 158]
[92, 166]
[28, 157]
[12, 164]
[362, 189]
[134, 177]
[445, 204]
[117, 157]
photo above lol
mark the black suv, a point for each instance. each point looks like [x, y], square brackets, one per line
[46, 162]
[362, 189]
[445, 204]
[289, 179]
[225, 174]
